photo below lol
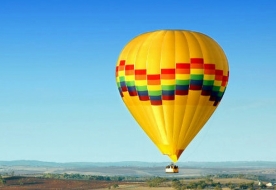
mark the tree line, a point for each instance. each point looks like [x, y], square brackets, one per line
[76, 176]
[2, 180]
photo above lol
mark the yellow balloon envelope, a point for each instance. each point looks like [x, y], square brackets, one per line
[172, 81]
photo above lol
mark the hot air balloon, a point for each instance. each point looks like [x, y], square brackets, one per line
[172, 81]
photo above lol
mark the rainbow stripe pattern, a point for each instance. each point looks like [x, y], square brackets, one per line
[196, 75]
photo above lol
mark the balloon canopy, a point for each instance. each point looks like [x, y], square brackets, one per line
[172, 81]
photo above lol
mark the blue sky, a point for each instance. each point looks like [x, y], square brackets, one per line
[58, 97]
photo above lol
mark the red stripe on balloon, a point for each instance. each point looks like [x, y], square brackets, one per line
[197, 60]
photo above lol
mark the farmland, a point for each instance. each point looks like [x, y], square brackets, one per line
[134, 176]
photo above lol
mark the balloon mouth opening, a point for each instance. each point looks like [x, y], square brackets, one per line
[173, 157]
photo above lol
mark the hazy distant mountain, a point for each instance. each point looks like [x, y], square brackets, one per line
[236, 164]
[132, 168]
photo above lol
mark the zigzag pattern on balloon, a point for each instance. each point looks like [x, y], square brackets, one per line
[195, 75]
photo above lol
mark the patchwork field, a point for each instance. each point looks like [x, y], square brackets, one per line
[125, 176]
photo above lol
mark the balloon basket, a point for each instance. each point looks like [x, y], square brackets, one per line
[172, 168]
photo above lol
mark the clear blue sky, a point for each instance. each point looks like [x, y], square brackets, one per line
[58, 97]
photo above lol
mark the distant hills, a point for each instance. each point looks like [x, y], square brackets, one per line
[134, 168]
[232, 164]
